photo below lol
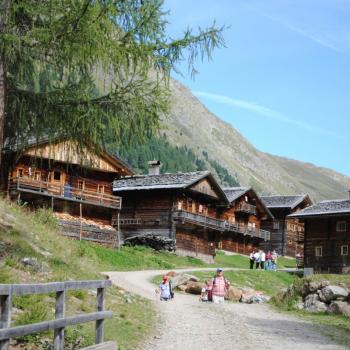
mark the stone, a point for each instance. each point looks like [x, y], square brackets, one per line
[329, 293]
[182, 287]
[194, 287]
[154, 241]
[299, 306]
[310, 287]
[34, 264]
[233, 294]
[247, 295]
[340, 307]
[182, 279]
[258, 299]
[312, 303]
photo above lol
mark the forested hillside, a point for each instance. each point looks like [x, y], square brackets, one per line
[173, 159]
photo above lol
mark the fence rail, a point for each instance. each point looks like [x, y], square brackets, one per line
[7, 291]
[220, 225]
[67, 192]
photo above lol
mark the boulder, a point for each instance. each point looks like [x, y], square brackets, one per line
[233, 294]
[258, 299]
[182, 287]
[329, 293]
[310, 287]
[183, 279]
[312, 303]
[340, 307]
[194, 287]
[247, 295]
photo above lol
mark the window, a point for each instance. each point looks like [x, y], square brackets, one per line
[57, 175]
[81, 184]
[344, 250]
[37, 175]
[341, 226]
[179, 205]
[101, 189]
[318, 251]
[20, 172]
[276, 225]
[200, 209]
[246, 198]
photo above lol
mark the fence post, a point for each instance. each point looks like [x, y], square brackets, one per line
[5, 318]
[59, 313]
[100, 301]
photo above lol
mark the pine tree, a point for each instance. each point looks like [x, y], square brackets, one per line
[88, 70]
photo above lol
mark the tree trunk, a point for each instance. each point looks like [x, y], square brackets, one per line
[4, 166]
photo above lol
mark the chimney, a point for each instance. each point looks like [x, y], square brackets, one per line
[154, 167]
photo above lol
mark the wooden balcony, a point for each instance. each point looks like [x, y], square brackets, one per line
[65, 192]
[219, 225]
[127, 221]
[246, 208]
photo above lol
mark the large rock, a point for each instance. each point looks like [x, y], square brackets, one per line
[194, 287]
[182, 287]
[247, 295]
[312, 303]
[233, 294]
[329, 293]
[310, 287]
[340, 307]
[183, 279]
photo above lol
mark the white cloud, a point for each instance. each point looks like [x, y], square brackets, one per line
[262, 110]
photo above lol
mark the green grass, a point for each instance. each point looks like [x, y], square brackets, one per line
[25, 234]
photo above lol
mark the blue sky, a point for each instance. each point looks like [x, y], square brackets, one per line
[283, 79]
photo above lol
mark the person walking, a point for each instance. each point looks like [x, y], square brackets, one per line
[218, 286]
[257, 259]
[262, 259]
[268, 260]
[251, 260]
[165, 289]
[274, 260]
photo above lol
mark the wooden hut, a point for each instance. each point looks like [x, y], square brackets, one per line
[287, 234]
[181, 206]
[244, 215]
[327, 235]
[76, 182]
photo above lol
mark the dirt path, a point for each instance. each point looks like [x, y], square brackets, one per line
[185, 323]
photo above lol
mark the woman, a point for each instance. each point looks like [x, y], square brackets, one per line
[165, 289]
[251, 259]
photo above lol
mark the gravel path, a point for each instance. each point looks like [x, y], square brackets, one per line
[185, 323]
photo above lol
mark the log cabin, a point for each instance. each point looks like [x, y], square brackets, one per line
[327, 235]
[244, 215]
[287, 234]
[76, 183]
[181, 206]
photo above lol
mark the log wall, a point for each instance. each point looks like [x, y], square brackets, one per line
[322, 232]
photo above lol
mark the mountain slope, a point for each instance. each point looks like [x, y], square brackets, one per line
[193, 125]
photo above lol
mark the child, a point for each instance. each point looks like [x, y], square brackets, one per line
[165, 289]
[205, 293]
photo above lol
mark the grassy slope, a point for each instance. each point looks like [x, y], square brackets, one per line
[25, 234]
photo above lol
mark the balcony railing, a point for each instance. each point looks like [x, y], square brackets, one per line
[66, 192]
[220, 225]
[127, 221]
[246, 208]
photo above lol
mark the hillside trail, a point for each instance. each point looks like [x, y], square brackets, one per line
[185, 323]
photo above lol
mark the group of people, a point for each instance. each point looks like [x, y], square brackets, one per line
[262, 260]
[214, 290]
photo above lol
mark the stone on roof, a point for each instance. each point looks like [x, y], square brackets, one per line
[232, 193]
[283, 201]
[161, 181]
[328, 207]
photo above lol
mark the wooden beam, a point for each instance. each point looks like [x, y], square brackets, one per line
[59, 313]
[21, 331]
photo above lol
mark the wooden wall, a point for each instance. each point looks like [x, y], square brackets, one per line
[238, 243]
[321, 232]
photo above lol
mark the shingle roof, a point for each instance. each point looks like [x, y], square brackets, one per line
[232, 193]
[329, 207]
[162, 181]
[283, 201]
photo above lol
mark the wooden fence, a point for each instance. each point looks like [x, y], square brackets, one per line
[60, 322]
